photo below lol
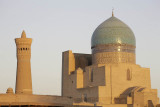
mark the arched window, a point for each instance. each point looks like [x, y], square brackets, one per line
[129, 75]
[92, 76]
[84, 97]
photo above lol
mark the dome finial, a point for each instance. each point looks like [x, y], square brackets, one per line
[23, 35]
[112, 12]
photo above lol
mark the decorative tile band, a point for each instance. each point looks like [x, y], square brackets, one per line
[113, 57]
[113, 48]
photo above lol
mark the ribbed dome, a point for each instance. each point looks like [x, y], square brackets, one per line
[9, 91]
[113, 31]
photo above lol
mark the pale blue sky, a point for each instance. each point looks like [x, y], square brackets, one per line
[60, 25]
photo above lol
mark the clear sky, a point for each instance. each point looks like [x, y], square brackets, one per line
[60, 25]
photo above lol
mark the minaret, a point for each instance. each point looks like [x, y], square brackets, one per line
[23, 80]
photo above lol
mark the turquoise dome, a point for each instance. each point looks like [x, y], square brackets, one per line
[113, 31]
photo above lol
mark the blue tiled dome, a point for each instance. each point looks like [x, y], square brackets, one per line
[113, 31]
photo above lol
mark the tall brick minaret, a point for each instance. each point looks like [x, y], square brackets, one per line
[23, 79]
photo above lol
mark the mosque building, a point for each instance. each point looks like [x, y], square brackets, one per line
[109, 77]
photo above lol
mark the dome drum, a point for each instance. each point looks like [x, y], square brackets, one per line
[113, 58]
[113, 42]
[113, 48]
